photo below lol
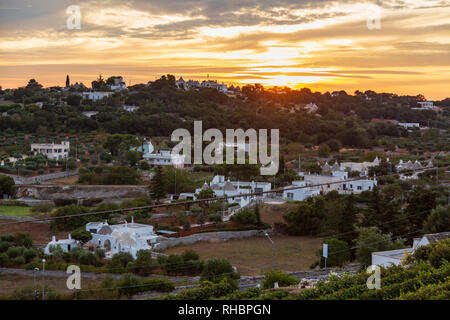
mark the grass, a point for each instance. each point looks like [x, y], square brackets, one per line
[253, 256]
[15, 211]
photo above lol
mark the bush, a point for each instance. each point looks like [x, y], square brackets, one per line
[3, 259]
[88, 258]
[338, 253]
[283, 279]
[23, 239]
[4, 245]
[14, 252]
[218, 268]
[29, 254]
[245, 216]
[18, 261]
[7, 237]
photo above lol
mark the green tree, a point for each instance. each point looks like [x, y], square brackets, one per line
[133, 157]
[82, 235]
[216, 269]
[438, 220]
[346, 227]
[7, 186]
[306, 218]
[338, 253]
[372, 240]
[158, 190]
[245, 216]
[420, 203]
[324, 151]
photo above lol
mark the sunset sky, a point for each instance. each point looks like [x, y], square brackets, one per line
[324, 45]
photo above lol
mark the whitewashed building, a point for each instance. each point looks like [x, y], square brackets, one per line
[52, 150]
[222, 187]
[65, 244]
[127, 237]
[362, 167]
[396, 257]
[165, 158]
[291, 193]
[119, 84]
[338, 181]
[96, 95]
[408, 125]
[130, 108]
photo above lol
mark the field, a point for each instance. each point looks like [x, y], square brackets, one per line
[253, 256]
[15, 211]
[11, 282]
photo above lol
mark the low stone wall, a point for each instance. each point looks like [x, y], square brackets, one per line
[51, 192]
[220, 236]
[42, 177]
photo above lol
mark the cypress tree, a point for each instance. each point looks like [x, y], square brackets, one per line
[157, 187]
[67, 81]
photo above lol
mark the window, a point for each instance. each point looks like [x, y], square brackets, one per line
[290, 195]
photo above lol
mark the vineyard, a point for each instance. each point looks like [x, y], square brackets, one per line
[425, 276]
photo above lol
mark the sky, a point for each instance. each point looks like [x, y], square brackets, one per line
[396, 46]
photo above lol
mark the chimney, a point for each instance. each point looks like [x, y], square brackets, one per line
[69, 236]
[53, 239]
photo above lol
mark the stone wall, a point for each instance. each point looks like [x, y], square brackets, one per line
[220, 236]
[52, 192]
[42, 177]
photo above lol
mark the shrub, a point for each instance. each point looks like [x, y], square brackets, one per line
[217, 268]
[23, 239]
[29, 254]
[338, 253]
[174, 263]
[3, 259]
[283, 279]
[14, 252]
[4, 245]
[7, 237]
[189, 255]
[18, 261]
[245, 216]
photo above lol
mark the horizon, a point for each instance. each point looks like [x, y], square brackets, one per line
[390, 46]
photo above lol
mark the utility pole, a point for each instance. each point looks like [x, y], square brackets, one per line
[43, 279]
[34, 282]
[273, 250]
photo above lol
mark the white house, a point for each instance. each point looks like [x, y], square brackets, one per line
[52, 150]
[396, 257]
[311, 107]
[427, 105]
[338, 181]
[165, 158]
[127, 237]
[96, 95]
[65, 244]
[119, 84]
[89, 113]
[409, 125]
[300, 194]
[222, 187]
[130, 108]
[362, 167]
